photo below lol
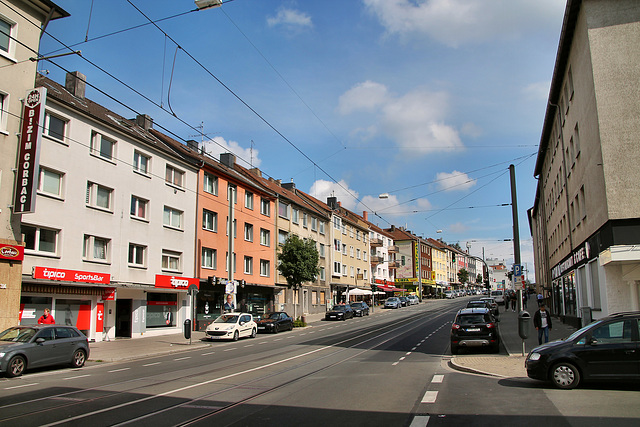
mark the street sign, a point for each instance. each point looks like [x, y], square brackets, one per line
[517, 269]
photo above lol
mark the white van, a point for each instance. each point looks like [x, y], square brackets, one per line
[498, 296]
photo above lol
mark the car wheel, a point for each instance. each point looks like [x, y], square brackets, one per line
[79, 357]
[254, 333]
[291, 326]
[565, 375]
[16, 366]
[276, 329]
[236, 335]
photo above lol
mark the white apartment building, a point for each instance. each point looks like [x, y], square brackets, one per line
[110, 246]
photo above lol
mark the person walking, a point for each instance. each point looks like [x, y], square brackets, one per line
[539, 299]
[513, 299]
[542, 323]
[46, 318]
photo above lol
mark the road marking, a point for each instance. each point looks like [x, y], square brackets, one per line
[408, 353]
[20, 386]
[420, 421]
[118, 370]
[248, 345]
[402, 358]
[414, 348]
[394, 363]
[232, 348]
[430, 397]
[437, 378]
[154, 363]
[79, 376]
[182, 358]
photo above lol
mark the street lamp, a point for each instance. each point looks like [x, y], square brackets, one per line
[205, 4]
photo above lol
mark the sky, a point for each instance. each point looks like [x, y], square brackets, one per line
[426, 102]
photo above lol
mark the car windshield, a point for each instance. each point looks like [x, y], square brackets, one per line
[392, 299]
[226, 318]
[476, 305]
[471, 319]
[579, 332]
[274, 316]
[357, 305]
[339, 307]
[17, 334]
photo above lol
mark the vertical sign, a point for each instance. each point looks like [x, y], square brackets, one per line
[29, 151]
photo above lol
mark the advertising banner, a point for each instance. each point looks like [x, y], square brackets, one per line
[70, 275]
[174, 282]
[12, 252]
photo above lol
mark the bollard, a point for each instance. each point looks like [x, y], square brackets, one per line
[187, 329]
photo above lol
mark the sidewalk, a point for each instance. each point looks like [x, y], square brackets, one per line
[513, 364]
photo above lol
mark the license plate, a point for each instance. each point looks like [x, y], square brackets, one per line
[473, 330]
[260, 327]
[332, 317]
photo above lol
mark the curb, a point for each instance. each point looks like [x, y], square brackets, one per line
[454, 365]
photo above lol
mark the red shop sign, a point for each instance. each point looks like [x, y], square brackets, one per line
[174, 282]
[49, 273]
[12, 252]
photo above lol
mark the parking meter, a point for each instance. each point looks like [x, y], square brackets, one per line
[524, 322]
[187, 329]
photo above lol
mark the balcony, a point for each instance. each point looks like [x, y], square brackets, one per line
[376, 259]
[393, 264]
[375, 242]
[393, 249]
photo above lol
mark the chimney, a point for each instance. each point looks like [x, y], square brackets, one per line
[365, 215]
[193, 145]
[145, 122]
[289, 186]
[76, 83]
[228, 159]
[332, 202]
[340, 204]
[256, 172]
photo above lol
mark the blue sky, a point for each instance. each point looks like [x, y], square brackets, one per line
[428, 101]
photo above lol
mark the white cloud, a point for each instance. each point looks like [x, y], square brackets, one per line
[390, 206]
[459, 227]
[455, 181]
[415, 121]
[322, 189]
[456, 22]
[218, 145]
[537, 91]
[290, 18]
[471, 129]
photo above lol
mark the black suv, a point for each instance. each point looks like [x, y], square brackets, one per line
[607, 349]
[474, 327]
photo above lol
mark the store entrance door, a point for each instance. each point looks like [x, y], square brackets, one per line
[123, 318]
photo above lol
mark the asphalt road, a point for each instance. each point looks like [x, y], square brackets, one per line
[387, 370]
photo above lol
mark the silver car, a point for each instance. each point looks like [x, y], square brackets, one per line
[36, 346]
[392, 302]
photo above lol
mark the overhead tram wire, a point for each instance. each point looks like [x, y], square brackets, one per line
[262, 118]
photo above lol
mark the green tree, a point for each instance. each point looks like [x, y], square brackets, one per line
[479, 278]
[298, 263]
[463, 276]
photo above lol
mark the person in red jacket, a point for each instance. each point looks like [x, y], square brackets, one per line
[46, 318]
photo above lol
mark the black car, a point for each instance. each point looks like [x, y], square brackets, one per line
[339, 312]
[607, 349]
[474, 327]
[493, 308]
[36, 346]
[360, 308]
[404, 301]
[275, 322]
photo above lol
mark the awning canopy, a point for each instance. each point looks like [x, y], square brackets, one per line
[358, 291]
[389, 288]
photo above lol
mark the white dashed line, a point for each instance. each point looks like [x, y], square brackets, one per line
[437, 378]
[408, 353]
[119, 370]
[151, 364]
[182, 358]
[395, 363]
[430, 397]
[402, 358]
[20, 386]
[79, 376]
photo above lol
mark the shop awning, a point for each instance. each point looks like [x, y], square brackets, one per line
[357, 291]
[389, 288]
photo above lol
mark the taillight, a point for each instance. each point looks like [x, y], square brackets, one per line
[455, 326]
[491, 325]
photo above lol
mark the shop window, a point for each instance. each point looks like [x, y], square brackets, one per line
[73, 312]
[33, 307]
[161, 309]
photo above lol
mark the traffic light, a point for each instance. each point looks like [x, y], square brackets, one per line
[454, 257]
[374, 288]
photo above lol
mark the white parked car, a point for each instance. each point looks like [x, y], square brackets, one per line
[498, 295]
[232, 326]
[449, 294]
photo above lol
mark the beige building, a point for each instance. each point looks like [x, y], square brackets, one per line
[19, 41]
[585, 220]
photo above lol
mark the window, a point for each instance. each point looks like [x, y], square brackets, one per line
[314, 223]
[50, 182]
[283, 210]
[173, 176]
[4, 108]
[305, 218]
[321, 251]
[265, 268]
[351, 270]
[265, 237]
[364, 255]
[209, 220]
[137, 255]
[351, 251]
[344, 270]
[248, 265]
[55, 127]
[336, 244]
[102, 146]
[209, 258]
[264, 207]
[6, 29]
[337, 223]
[344, 249]
[171, 260]
[95, 248]
[282, 237]
[235, 227]
[248, 232]
[248, 200]
[323, 275]
[321, 227]
[358, 253]
[210, 184]
[337, 268]
[141, 162]
[98, 196]
[295, 215]
[172, 218]
[357, 234]
[138, 207]
[39, 239]
[576, 141]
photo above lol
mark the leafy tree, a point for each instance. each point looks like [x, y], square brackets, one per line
[298, 263]
[463, 276]
[479, 278]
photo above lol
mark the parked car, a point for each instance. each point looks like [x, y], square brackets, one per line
[232, 326]
[275, 322]
[413, 300]
[339, 312]
[606, 349]
[360, 308]
[35, 346]
[449, 294]
[493, 304]
[498, 296]
[392, 302]
[474, 327]
[404, 301]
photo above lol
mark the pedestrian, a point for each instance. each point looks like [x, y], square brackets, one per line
[513, 299]
[542, 322]
[524, 300]
[46, 318]
[539, 299]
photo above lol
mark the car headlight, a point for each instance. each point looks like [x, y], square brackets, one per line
[2, 354]
[534, 356]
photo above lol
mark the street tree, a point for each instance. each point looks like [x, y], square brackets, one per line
[463, 276]
[479, 278]
[298, 263]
